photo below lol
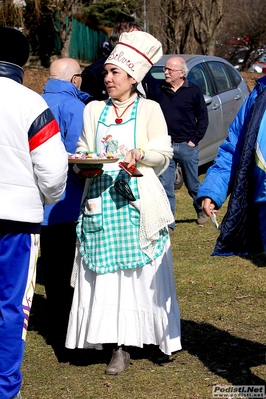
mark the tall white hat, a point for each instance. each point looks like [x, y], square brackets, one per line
[135, 53]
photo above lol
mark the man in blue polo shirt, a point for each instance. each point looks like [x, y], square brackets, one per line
[186, 116]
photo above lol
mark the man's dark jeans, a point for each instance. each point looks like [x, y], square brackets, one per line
[188, 159]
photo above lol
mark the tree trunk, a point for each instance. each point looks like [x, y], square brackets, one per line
[170, 22]
[206, 17]
[186, 26]
[64, 13]
[65, 35]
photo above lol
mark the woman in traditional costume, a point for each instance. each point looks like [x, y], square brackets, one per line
[125, 290]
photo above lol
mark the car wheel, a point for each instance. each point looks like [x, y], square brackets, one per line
[178, 183]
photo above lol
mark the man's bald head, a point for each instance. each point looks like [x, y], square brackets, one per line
[178, 62]
[66, 69]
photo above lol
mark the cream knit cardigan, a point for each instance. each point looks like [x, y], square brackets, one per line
[152, 136]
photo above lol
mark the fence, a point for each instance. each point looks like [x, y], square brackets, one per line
[85, 43]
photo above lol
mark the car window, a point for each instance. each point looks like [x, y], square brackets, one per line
[157, 72]
[198, 76]
[220, 75]
[235, 77]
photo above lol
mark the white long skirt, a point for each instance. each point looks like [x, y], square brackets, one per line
[129, 307]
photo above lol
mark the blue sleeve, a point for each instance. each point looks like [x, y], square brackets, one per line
[73, 123]
[220, 177]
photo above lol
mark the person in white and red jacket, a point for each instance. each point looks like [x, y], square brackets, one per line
[33, 173]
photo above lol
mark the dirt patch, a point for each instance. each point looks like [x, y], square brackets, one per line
[35, 78]
[251, 78]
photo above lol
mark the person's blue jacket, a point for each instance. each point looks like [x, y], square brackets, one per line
[67, 104]
[240, 171]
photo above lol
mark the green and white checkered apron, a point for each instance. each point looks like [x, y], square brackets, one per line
[108, 227]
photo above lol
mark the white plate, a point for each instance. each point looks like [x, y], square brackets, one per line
[91, 161]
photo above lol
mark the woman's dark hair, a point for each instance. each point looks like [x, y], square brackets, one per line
[120, 28]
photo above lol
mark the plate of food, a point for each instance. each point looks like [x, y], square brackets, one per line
[91, 159]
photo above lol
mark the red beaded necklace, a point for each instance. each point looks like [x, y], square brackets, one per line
[119, 119]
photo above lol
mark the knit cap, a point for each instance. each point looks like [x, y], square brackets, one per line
[14, 46]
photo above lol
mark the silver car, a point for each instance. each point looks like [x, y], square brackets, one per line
[224, 91]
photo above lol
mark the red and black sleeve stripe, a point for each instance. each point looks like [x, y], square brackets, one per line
[42, 129]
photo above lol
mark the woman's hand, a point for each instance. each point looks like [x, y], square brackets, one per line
[208, 206]
[133, 156]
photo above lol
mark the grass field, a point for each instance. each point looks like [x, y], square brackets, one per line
[222, 303]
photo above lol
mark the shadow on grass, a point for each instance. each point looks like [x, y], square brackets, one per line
[79, 357]
[258, 259]
[222, 353]
[177, 221]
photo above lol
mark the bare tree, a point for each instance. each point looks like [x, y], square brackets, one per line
[185, 26]
[30, 14]
[170, 22]
[11, 14]
[63, 11]
[243, 31]
[178, 22]
[245, 18]
[206, 17]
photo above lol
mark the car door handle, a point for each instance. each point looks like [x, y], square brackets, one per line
[216, 106]
[237, 97]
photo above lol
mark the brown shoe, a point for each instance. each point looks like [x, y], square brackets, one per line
[119, 362]
[171, 231]
[202, 219]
